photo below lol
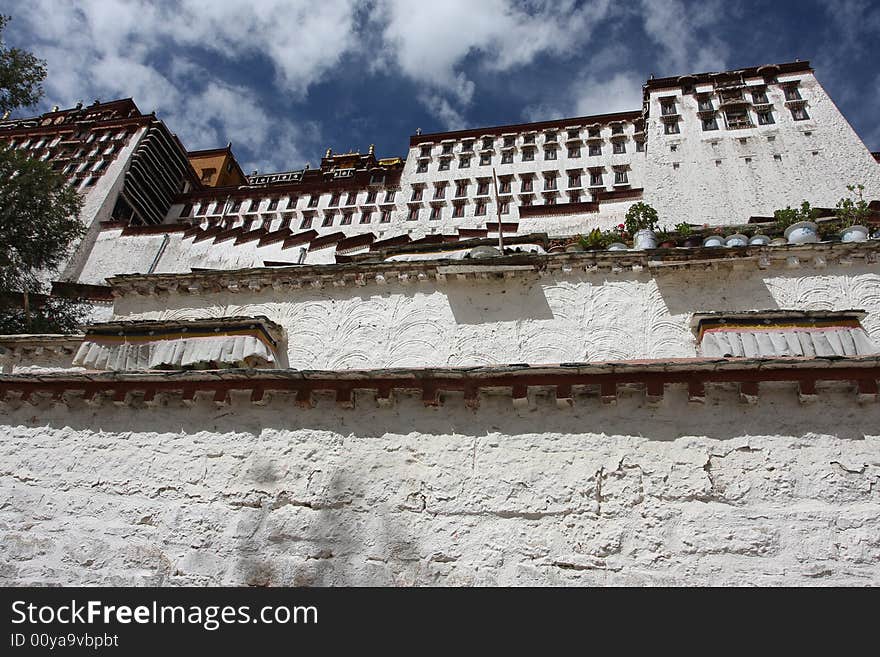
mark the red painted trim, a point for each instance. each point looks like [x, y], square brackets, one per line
[557, 209]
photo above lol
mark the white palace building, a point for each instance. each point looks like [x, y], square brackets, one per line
[420, 370]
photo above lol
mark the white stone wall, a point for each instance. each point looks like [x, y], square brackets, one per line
[560, 317]
[774, 493]
[725, 176]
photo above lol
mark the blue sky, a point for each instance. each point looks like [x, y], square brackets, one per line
[285, 79]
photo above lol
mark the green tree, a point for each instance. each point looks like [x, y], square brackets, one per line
[38, 213]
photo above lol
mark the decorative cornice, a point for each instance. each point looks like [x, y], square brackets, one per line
[564, 382]
[360, 273]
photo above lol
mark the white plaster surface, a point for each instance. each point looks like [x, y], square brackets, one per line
[529, 319]
[774, 493]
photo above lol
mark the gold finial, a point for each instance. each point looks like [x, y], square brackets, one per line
[329, 152]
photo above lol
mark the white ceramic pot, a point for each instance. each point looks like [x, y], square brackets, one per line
[713, 241]
[779, 241]
[803, 232]
[855, 233]
[737, 240]
[645, 239]
[759, 240]
[574, 248]
[617, 246]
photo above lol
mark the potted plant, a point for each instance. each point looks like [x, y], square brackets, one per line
[594, 240]
[666, 238]
[640, 222]
[852, 212]
[685, 230]
[797, 224]
[575, 244]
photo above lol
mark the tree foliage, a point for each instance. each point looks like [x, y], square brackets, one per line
[38, 213]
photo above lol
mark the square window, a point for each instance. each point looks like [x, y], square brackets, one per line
[526, 185]
[488, 142]
[346, 219]
[440, 191]
[416, 194]
[619, 147]
[640, 146]
[574, 151]
[791, 92]
[371, 196]
[505, 187]
[529, 138]
[509, 141]
[574, 197]
[595, 149]
[759, 97]
[366, 216]
[328, 220]
[574, 134]
[574, 180]
[667, 107]
[306, 223]
[464, 162]
[458, 210]
[528, 155]
[435, 213]
[596, 179]
[447, 148]
[482, 188]
[467, 146]
[413, 214]
[550, 182]
[425, 151]
[444, 164]
[550, 136]
[461, 189]
[549, 153]
[526, 200]
[389, 195]
[738, 118]
[710, 123]
[386, 217]
[620, 178]
[273, 205]
[480, 210]
[705, 105]
[673, 148]
[507, 157]
[593, 133]
[422, 166]
[670, 128]
[334, 201]
[485, 158]
[799, 113]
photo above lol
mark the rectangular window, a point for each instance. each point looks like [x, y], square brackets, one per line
[416, 194]
[389, 195]
[351, 199]
[306, 223]
[574, 151]
[346, 218]
[386, 217]
[505, 187]
[444, 164]
[366, 216]
[219, 207]
[447, 148]
[313, 200]
[273, 205]
[509, 141]
[549, 153]
[550, 182]
[550, 199]
[667, 107]
[550, 136]
[255, 206]
[526, 200]
[620, 178]
[670, 128]
[488, 142]
[464, 162]
[738, 118]
[574, 197]
[617, 129]
[799, 113]
[710, 123]
[334, 201]
[413, 214]
[328, 220]
[485, 158]
[425, 151]
[440, 191]
[529, 138]
[482, 188]
[467, 146]
[291, 203]
[573, 133]
[480, 210]
[184, 212]
[595, 149]
[528, 155]
[371, 196]
[596, 179]
[422, 166]
[593, 133]
[458, 210]
[640, 146]
[574, 180]
[507, 157]
[759, 97]
[526, 185]
[765, 118]
[791, 92]
[504, 208]
[619, 147]
[461, 189]
[435, 213]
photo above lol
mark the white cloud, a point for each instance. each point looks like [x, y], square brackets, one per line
[594, 94]
[684, 34]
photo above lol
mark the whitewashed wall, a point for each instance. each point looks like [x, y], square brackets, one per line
[715, 494]
[557, 318]
[720, 180]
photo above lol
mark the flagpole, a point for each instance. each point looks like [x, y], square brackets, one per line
[498, 212]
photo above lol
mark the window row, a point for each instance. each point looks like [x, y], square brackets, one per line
[528, 155]
[510, 141]
[253, 206]
[575, 179]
